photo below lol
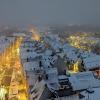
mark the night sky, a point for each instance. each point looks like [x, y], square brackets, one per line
[49, 12]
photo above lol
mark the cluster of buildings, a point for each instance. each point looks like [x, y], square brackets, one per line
[55, 70]
[85, 41]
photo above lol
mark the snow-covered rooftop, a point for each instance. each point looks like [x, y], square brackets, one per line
[29, 66]
[84, 80]
[91, 61]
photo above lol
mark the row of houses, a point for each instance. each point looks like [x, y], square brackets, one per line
[83, 66]
[47, 69]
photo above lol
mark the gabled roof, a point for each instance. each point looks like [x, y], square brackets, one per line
[83, 80]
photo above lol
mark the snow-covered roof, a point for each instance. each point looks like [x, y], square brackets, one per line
[52, 81]
[70, 52]
[25, 55]
[51, 71]
[83, 80]
[62, 77]
[29, 66]
[48, 52]
[92, 61]
[48, 60]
